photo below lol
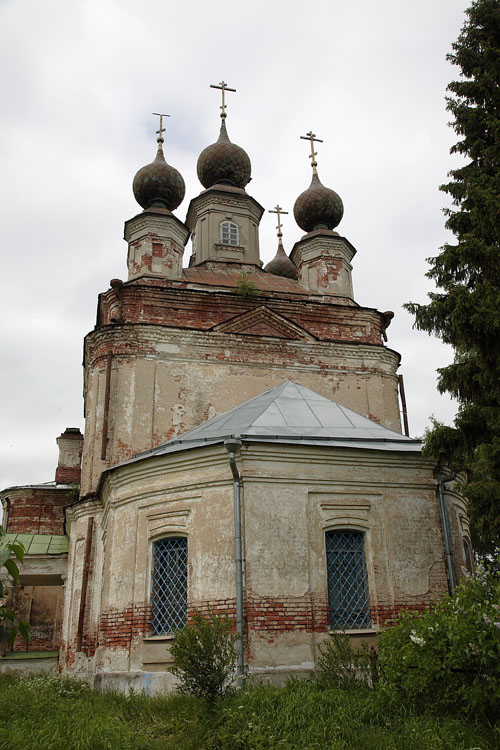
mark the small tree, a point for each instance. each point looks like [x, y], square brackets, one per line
[10, 625]
[204, 655]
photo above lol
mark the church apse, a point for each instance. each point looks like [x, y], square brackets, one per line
[285, 361]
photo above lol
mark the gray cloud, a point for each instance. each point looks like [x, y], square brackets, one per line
[82, 79]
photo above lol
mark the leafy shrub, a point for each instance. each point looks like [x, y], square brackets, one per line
[204, 655]
[342, 666]
[10, 624]
[449, 657]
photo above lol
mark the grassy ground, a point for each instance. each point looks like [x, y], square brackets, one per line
[52, 714]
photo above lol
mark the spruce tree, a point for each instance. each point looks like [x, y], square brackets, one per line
[465, 311]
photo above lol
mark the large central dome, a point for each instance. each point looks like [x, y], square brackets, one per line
[224, 163]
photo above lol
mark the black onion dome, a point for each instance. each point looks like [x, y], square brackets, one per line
[282, 265]
[224, 163]
[318, 207]
[159, 183]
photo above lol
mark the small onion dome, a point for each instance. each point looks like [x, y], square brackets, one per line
[318, 207]
[224, 163]
[159, 184]
[281, 265]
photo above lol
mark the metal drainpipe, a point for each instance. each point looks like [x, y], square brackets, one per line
[446, 532]
[233, 446]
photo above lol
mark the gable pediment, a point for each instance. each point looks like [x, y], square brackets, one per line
[263, 322]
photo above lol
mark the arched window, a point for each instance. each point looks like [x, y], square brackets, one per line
[229, 233]
[348, 598]
[169, 584]
[468, 556]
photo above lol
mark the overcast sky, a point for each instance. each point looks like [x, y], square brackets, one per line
[80, 81]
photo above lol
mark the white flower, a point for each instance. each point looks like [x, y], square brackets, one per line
[486, 619]
[497, 625]
[414, 638]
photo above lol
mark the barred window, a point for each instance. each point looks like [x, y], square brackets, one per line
[229, 234]
[169, 585]
[348, 598]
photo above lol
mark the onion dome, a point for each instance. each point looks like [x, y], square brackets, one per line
[159, 184]
[318, 207]
[224, 163]
[282, 265]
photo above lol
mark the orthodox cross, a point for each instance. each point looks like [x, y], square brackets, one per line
[310, 136]
[223, 87]
[278, 210]
[162, 129]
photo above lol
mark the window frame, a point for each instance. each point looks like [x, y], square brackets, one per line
[367, 625]
[156, 632]
[230, 225]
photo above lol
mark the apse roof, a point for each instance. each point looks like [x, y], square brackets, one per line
[290, 413]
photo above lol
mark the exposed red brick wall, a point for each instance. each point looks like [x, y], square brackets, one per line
[37, 511]
[68, 474]
[117, 629]
[176, 305]
[279, 616]
[385, 616]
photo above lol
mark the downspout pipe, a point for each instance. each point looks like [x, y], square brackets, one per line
[450, 568]
[233, 446]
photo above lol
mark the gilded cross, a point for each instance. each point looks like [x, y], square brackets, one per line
[223, 87]
[278, 210]
[162, 129]
[310, 136]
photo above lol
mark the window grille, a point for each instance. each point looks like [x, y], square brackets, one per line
[229, 234]
[169, 584]
[348, 599]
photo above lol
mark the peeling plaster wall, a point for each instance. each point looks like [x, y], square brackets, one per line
[166, 381]
[291, 495]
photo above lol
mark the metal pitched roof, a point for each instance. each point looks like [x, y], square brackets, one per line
[290, 413]
[39, 544]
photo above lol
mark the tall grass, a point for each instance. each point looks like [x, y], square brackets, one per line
[50, 713]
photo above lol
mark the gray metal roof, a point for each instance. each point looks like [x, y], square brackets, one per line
[291, 413]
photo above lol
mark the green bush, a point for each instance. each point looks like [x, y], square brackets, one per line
[448, 658]
[204, 655]
[341, 666]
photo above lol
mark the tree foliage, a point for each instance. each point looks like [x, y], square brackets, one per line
[465, 311]
[448, 658]
[10, 624]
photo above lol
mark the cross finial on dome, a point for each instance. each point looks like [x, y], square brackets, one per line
[223, 87]
[278, 210]
[310, 136]
[160, 132]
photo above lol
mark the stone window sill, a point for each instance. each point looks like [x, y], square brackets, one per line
[357, 631]
[158, 638]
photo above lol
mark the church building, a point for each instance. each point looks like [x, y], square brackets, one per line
[242, 450]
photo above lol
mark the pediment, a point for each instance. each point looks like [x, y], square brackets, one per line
[263, 322]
